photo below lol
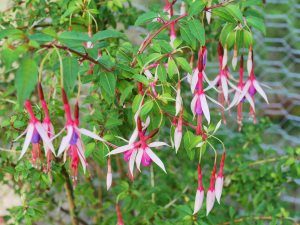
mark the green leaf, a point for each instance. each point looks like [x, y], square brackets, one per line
[225, 32]
[187, 36]
[9, 32]
[190, 142]
[146, 17]
[125, 93]
[196, 7]
[235, 11]
[197, 30]
[71, 68]
[147, 107]
[40, 37]
[136, 102]
[172, 68]
[257, 23]
[74, 36]
[26, 79]
[108, 83]
[184, 64]
[101, 35]
[161, 73]
[141, 79]
[248, 39]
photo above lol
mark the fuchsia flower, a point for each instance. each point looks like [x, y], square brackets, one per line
[139, 152]
[208, 12]
[211, 195]
[236, 99]
[220, 180]
[72, 142]
[35, 132]
[178, 133]
[200, 192]
[47, 124]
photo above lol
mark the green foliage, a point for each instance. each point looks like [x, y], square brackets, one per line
[91, 38]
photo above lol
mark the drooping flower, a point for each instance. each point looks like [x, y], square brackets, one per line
[235, 57]
[35, 132]
[200, 192]
[208, 12]
[178, 102]
[72, 142]
[153, 80]
[47, 124]
[138, 151]
[220, 180]
[178, 133]
[236, 99]
[211, 195]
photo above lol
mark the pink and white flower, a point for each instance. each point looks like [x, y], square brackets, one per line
[220, 180]
[72, 142]
[200, 192]
[109, 174]
[211, 195]
[178, 133]
[35, 132]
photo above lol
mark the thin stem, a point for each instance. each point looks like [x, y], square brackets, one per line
[70, 197]
[60, 66]
[42, 65]
[219, 5]
[214, 150]
[152, 183]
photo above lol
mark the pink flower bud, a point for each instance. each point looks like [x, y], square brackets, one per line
[109, 175]
[210, 197]
[178, 134]
[200, 192]
[249, 61]
[225, 58]
[220, 180]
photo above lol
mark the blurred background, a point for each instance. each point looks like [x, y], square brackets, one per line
[277, 61]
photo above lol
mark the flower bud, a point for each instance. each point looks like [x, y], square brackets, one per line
[210, 197]
[225, 57]
[208, 12]
[109, 175]
[200, 192]
[235, 57]
[220, 180]
[249, 61]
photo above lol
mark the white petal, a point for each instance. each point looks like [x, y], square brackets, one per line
[189, 78]
[198, 201]
[210, 201]
[244, 90]
[234, 100]
[21, 135]
[177, 138]
[234, 62]
[120, 149]
[178, 102]
[213, 83]
[249, 63]
[218, 188]
[59, 133]
[225, 58]
[131, 161]
[157, 144]
[148, 74]
[194, 80]
[133, 136]
[193, 104]
[90, 134]
[147, 123]
[204, 107]
[250, 100]
[108, 180]
[155, 159]
[81, 154]
[44, 135]
[138, 159]
[214, 101]
[260, 90]
[224, 87]
[28, 138]
[66, 140]
[208, 16]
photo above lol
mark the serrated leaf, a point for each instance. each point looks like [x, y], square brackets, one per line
[70, 68]
[225, 32]
[196, 7]
[147, 107]
[235, 11]
[9, 32]
[257, 23]
[26, 79]
[108, 83]
[161, 73]
[172, 68]
[146, 17]
[136, 102]
[101, 35]
[197, 30]
[141, 78]
[187, 36]
[184, 64]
